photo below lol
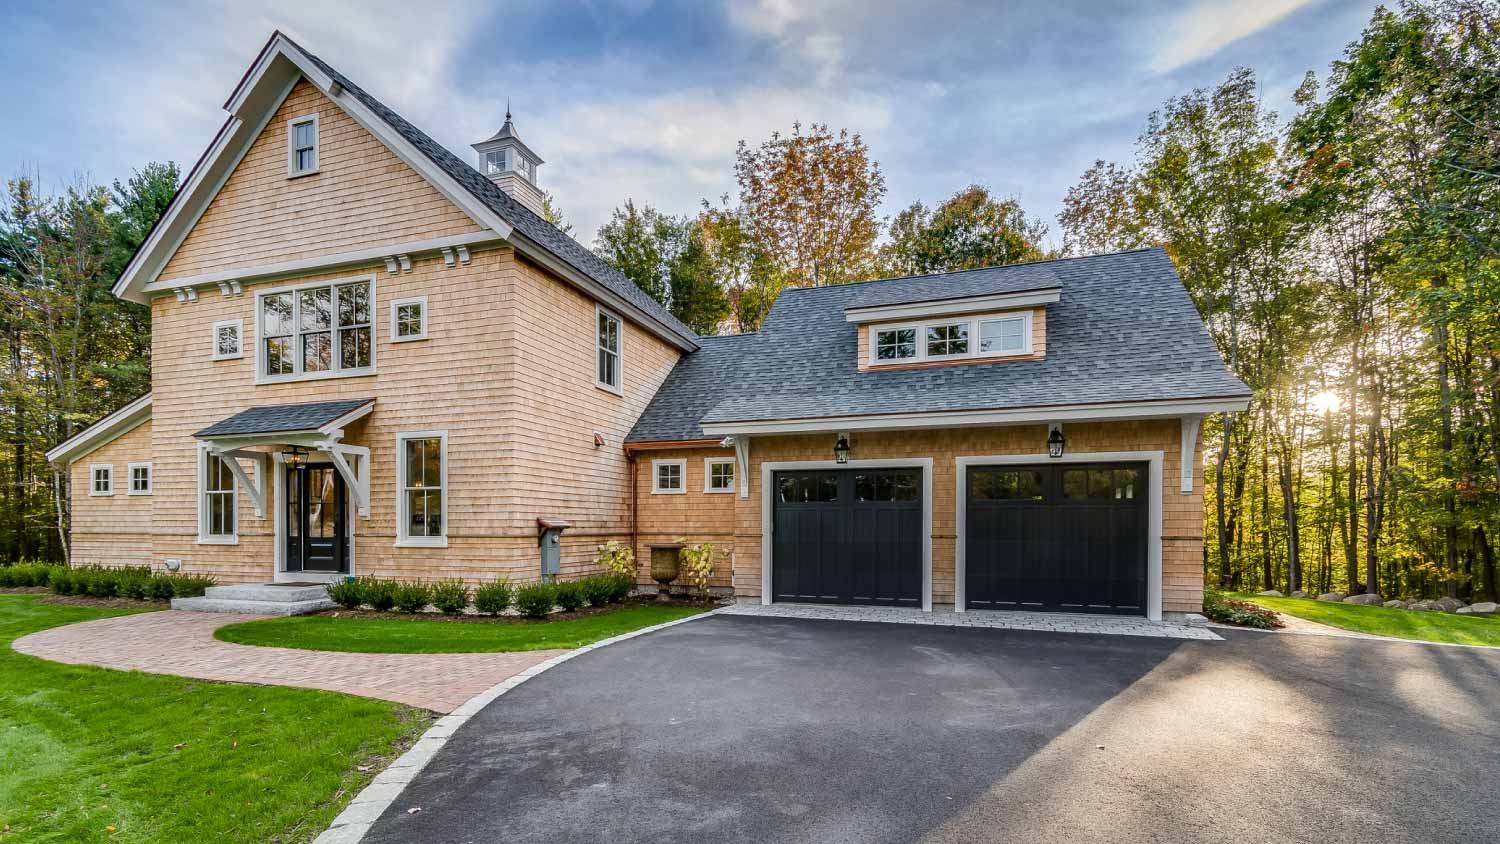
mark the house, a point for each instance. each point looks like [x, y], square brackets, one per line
[370, 357]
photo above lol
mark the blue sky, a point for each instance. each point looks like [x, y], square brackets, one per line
[633, 98]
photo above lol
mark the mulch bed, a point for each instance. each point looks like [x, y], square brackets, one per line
[104, 603]
[25, 590]
[475, 618]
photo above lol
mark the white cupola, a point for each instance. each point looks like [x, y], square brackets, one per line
[511, 165]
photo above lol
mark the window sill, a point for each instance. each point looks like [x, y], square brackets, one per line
[300, 173]
[426, 542]
[143, 494]
[409, 339]
[101, 495]
[614, 391]
[240, 356]
[315, 376]
[669, 492]
[219, 540]
[729, 491]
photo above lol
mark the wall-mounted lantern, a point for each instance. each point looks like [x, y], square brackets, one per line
[1056, 442]
[841, 449]
[295, 456]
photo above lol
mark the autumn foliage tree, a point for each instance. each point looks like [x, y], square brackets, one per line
[968, 230]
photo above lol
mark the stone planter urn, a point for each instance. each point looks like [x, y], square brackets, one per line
[666, 566]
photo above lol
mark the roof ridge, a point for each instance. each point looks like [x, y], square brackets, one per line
[989, 268]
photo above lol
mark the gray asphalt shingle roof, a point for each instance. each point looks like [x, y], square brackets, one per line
[282, 418]
[1123, 330]
[988, 281]
[512, 211]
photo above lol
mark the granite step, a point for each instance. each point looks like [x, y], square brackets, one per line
[259, 598]
[275, 592]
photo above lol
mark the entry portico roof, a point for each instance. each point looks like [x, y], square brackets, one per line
[306, 417]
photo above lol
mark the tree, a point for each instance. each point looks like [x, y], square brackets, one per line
[639, 242]
[696, 295]
[970, 229]
[670, 258]
[554, 214]
[809, 202]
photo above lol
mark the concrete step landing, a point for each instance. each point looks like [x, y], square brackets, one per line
[259, 598]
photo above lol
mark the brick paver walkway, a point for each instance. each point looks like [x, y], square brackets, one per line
[1050, 622]
[182, 643]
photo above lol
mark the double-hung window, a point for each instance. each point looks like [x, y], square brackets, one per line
[302, 145]
[317, 330]
[218, 509]
[422, 500]
[608, 344]
[101, 479]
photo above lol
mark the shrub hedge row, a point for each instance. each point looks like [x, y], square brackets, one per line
[452, 597]
[137, 582]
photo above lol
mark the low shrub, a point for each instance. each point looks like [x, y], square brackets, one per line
[348, 593]
[536, 600]
[1229, 611]
[102, 583]
[159, 587]
[569, 595]
[379, 593]
[451, 597]
[620, 586]
[22, 575]
[413, 597]
[63, 581]
[136, 585]
[597, 589]
[494, 598]
[616, 557]
[699, 562]
[190, 585]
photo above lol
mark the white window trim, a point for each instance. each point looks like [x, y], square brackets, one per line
[656, 489]
[396, 306]
[617, 389]
[291, 145]
[402, 540]
[204, 537]
[260, 359]
[239, 337]
[130, 478]
[109, 477]
[709, 463]
[1027, 346]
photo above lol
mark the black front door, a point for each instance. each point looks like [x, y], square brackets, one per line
[1063, 537]
[317, 528]
[849, 536]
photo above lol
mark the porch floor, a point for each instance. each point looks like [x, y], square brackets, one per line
[182, 643]
[1049, 622]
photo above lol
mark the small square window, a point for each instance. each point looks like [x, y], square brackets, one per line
[668, 477]
[102, 479]
[896, 344]
[718, 475]
[947, 340]
[302, 145]
[409, 319]
[227, 344]
[140, 479]
[1002, 336]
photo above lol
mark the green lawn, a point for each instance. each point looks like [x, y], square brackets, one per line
[90, 754]
[1401, 624]
[430, 636]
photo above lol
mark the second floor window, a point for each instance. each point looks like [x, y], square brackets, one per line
[302, 145]
[608, 375]
[318, 329]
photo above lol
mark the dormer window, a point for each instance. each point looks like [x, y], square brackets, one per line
[948, 340]
[1003, 336]
[302, 145]
[977, 337]
[896, 344]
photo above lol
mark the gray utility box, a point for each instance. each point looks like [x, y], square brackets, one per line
[549, 538]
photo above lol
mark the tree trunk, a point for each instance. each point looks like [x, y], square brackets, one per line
[1450, 500]
[1226, 572]
[1486, 564]
[1293, 531]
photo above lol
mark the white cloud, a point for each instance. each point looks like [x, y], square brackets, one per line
[1209, 26]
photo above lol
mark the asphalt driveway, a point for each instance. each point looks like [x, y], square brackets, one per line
[778, 730]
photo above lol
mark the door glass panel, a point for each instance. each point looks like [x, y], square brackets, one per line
[1005, 484]
[293, 504]
[1124, 484]
[802, 489]
[320, 504]
[904, 488]
[1099, 484]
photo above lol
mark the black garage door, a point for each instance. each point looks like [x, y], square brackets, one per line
[1057, 537]
[849, 536]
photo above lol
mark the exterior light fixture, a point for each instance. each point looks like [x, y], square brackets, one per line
[295, 456]
[841, 449]
[1056, 442]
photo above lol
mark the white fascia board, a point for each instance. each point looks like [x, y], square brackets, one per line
[612, 300]
[945, 307]
[302, 266]
[971, 418]
[335, 428]
[103, 432]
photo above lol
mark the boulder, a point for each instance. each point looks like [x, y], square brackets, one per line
[1394, 605]
[1332, 596]
[1369, 599]
[1485, 608]
[1464, 610]
[1425, 606]
[1270, 593]
[1298, 593]
[1450, 604]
